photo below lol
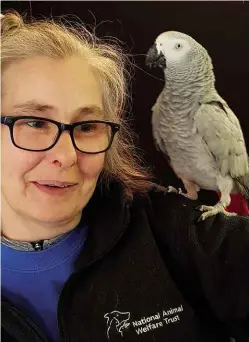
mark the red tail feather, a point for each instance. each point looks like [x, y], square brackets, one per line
[238, 204]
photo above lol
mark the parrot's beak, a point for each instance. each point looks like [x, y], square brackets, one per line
[155, 59]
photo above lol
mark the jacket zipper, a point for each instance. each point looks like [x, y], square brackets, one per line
[62, 332]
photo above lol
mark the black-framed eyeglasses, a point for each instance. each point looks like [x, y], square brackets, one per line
[32, 133]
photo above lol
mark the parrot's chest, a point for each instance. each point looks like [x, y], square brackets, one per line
[180, 135]
[183, 144]
[189, 156]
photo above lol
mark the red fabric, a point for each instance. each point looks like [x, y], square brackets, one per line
[238, 204]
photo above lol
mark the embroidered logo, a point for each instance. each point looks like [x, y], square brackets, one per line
[117, 320]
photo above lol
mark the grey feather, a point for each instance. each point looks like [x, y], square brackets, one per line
[222, 133]
[158, 141]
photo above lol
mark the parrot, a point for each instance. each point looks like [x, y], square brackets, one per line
[194, 127]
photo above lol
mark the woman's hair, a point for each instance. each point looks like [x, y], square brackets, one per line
[21, 39]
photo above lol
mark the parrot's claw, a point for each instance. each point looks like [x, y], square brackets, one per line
[174, 190]
[211, 211]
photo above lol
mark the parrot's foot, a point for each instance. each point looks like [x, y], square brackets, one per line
[174, 190]
[211, 211]
[191, 196]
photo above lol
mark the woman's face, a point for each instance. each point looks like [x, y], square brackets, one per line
[66, 91]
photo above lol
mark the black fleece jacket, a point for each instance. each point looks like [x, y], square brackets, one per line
[150, 272]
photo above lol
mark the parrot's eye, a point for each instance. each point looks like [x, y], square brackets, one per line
[178, 46]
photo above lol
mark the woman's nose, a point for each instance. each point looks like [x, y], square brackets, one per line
[63, 153]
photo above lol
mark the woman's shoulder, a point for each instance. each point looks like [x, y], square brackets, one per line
[159, 200]
[182, 213]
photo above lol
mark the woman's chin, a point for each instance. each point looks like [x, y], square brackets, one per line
[58, 216]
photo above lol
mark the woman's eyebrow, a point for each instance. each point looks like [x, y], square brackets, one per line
[34, 106]
[90, 110]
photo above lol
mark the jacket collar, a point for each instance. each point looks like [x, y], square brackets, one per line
[107, 217]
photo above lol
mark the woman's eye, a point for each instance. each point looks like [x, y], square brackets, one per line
[36, 123]
[87, 128]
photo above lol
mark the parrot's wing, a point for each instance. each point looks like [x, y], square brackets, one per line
[221, 131]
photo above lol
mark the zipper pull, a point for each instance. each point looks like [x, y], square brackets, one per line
[38, 245]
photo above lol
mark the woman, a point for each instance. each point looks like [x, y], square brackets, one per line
[91, 250]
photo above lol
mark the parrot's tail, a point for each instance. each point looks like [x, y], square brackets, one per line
[243, 185]
[238, 205]
[239, 201]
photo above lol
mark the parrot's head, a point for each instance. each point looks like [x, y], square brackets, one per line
[175, 51]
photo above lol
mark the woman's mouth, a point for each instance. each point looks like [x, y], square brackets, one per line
[54, 187]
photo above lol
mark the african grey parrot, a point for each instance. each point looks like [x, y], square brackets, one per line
[194, 126]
